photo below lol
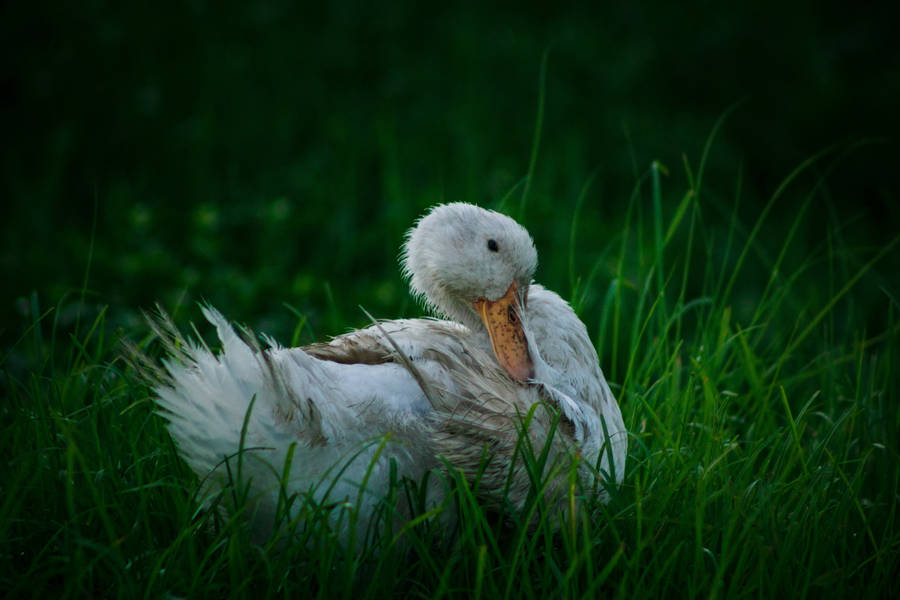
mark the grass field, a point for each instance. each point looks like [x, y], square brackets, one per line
[763, 459]
[733, 254]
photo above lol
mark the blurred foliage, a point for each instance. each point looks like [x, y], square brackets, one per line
[273, 152]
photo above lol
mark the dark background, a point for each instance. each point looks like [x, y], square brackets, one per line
[269, 153]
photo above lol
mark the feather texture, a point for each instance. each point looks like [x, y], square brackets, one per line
[401, 397]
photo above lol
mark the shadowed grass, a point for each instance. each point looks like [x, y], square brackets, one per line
[763, 453]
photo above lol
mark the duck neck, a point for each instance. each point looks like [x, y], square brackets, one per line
[466, 314]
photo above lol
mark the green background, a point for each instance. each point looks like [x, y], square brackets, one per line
[271, 153]
[268, 157]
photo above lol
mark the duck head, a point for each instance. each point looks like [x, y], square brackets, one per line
[475, 266]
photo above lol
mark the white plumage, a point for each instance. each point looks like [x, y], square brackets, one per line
[347, 409]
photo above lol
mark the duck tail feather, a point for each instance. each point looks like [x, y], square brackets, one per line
[243, 397]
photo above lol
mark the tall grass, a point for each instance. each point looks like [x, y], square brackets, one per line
[762, 462]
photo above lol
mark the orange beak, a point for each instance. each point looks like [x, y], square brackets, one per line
[504, 324]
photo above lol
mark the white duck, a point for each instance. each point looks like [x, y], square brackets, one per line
[343, 411]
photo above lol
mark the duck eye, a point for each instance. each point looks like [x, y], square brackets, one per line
[511, 314]
[492, 245]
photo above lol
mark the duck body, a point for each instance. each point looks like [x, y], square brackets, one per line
[401, 398]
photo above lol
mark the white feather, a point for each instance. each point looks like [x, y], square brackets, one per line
[350, 408]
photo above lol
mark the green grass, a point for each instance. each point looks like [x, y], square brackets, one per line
[756, 374]
[268, 158]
